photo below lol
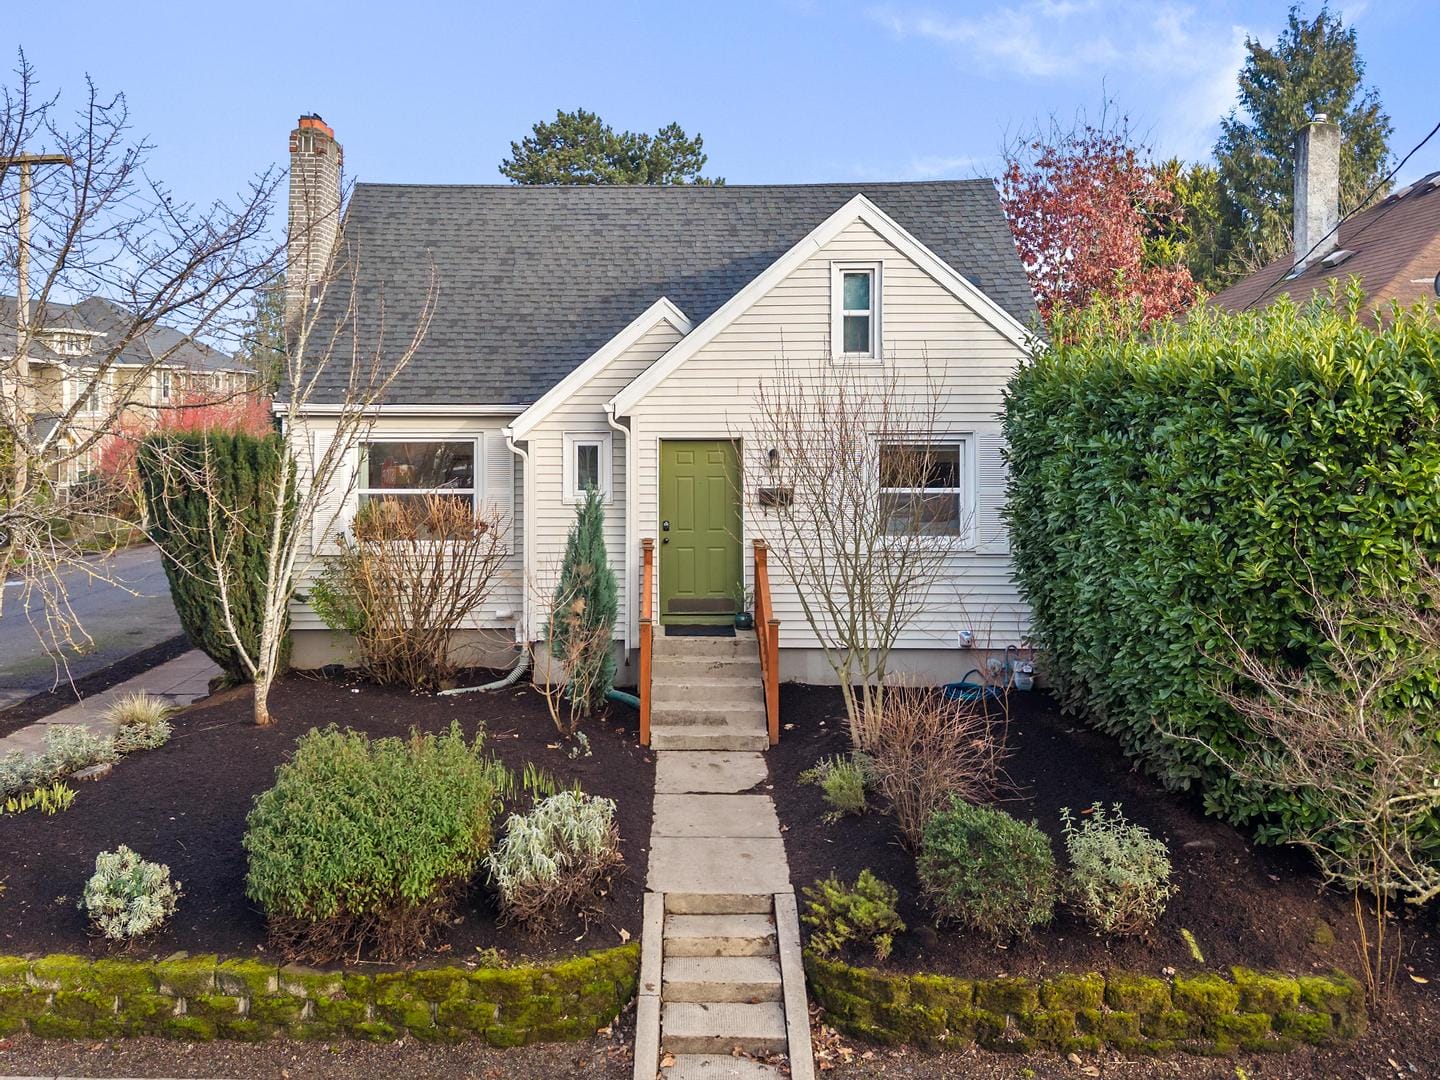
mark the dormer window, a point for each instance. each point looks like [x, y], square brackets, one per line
[855, 315]
[69, 344]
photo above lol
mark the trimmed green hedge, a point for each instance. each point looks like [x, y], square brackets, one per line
[1166, 490]
[200, 998]
[1204, 1014]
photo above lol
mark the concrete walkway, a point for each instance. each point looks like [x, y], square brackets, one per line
[182, 680]
[720, 966]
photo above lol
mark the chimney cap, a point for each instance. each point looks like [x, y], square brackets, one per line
[1318, 118]
[314, 120]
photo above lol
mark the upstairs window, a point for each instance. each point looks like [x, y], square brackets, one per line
[587, 465]
[925, 489]
[165, 386]
[69, 344]
[855, 292]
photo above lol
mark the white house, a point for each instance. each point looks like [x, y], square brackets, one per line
[617, 337]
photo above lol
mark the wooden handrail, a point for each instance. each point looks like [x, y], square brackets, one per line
[647, 633]
[767, 631]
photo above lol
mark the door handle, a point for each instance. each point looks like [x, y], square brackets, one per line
[664, 540]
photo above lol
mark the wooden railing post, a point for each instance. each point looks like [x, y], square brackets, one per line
[647, 633]
[767, 633]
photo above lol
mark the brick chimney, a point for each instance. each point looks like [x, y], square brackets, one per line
[1317, 190]
[315, 161]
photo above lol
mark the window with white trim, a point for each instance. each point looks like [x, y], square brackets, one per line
[68, 344]
[925, 488]
[855, 315]
[406, 469]
[87, 388]
[587, 464]
[165, 386]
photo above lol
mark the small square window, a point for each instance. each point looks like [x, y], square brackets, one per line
[856, 316]
[587, 465]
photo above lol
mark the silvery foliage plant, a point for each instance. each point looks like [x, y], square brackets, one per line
[127, 897]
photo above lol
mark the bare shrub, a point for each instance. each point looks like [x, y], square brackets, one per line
[1356, 735]
[414, 571]
[926, 749]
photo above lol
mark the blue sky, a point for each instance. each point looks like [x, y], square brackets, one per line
[786, 91]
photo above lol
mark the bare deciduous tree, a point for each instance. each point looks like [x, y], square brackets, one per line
[1349, 738]
[856, 481]
[338, 347]
[100, 229]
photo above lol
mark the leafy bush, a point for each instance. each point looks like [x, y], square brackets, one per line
[67, 748]
[233, 512]
[368, 845]
[926, 749]
[144, 722]
[987, 871]
[558, 858]
[1119, 875]
[1207, 482]
[402, 595]
[839, 915]
[842, 780]
[127, 897]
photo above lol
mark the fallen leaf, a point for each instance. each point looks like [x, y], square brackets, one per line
[667, 1061]
[624, 935]
[1420, 979]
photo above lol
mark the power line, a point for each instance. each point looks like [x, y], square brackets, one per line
[1361, 205]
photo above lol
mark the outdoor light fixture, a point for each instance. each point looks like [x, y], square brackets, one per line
[773, 457]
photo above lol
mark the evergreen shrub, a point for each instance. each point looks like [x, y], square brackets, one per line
[864, 914]
[237, 515]
[583, 611]
[367, 844]
[1175, 495]
[985, 870]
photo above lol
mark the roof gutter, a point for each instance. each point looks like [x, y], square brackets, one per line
[409, 410]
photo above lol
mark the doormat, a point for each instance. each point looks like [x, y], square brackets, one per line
[699, 631]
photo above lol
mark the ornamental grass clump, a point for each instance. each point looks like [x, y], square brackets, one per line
[839, 915]
[557, 859]
[985, 870]
[128, 898]
[1119, 877]
[367, 845]
[143, 720]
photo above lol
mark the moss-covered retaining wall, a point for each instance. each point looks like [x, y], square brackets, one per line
[1202, 1014]
[202, 997]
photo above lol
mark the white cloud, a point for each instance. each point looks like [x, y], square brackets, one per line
[927, 167]
[1178, 64]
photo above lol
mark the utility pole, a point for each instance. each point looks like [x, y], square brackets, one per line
[22, 303]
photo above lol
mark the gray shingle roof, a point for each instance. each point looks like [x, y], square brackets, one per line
[532, 280]
[110, 322]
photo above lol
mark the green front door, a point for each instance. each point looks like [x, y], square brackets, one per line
[700, 572]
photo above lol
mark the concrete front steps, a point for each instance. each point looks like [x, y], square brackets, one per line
[706, 694]
[721, 989]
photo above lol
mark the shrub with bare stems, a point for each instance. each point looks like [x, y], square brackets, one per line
[926, 749]
[413, 572]
[1356, 733]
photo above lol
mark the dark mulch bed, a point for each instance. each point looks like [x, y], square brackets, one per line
[1254, 906]
[185, 804]
[41, 705]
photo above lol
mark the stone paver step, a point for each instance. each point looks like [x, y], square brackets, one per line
[741, 647]
[703, 903]
[709, 772]
[734, 736]
[725, 668]
[707, 691]
[717, 864]
[719, 935]
[720, 1026]
[718, 1067]
[715, 815]
[711, 712]
[721, 978]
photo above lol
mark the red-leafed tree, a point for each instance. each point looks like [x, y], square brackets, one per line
[1091, 218]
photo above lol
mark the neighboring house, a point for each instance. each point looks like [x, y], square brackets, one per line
[1393, 248]
[617, 337]
[68, 344]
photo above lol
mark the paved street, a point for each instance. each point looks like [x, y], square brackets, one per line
[121, 620]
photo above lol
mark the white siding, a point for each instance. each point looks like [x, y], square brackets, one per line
[496, 477]
[712, 395]
[584, 414]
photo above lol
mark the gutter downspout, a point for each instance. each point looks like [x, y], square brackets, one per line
[631, 593]
[527, 508]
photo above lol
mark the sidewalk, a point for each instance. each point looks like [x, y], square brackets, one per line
[182, 680]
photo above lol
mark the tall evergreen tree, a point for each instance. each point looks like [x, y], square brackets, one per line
[582, 619]
[233, 512]
[263, 346]
[1315, 67]
[580, 148]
